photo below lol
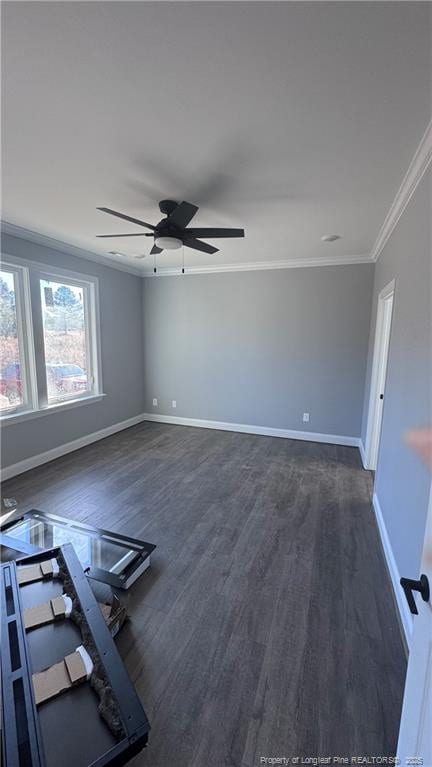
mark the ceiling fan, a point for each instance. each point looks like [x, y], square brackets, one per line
[171, 231]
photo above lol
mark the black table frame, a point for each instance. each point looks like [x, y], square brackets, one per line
[22, 740]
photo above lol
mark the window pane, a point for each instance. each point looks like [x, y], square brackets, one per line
[12, 392]
[66, 340]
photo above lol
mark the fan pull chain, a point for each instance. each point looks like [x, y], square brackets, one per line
[183, 271]
[154, 263]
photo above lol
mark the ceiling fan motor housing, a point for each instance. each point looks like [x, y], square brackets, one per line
[166, 235]
[167, 206]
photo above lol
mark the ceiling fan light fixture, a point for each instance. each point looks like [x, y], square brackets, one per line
[168, 243]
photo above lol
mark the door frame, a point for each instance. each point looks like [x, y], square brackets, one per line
[417, 700]
[379, 373]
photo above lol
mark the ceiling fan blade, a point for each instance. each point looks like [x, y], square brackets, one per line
[137, 258]
[135, 234]
[204, 247]
[126, 218]
[155, 250]
[215, 232]
[183, 213]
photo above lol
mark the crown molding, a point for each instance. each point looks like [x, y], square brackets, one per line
[257, 266]
[64, 247]
[248, 266]
[418, 167]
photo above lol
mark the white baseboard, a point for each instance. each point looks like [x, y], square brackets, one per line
[362, 453]
[405, 615]
[265, 431]
[50, 455]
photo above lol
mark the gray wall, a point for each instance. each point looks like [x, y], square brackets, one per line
[122, 359]
[260, 347]
[402, 482]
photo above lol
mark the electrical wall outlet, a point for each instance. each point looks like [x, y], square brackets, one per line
[306, 417]
[154, 402]
[174, 403]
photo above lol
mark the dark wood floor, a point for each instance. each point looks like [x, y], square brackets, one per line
[266, 626]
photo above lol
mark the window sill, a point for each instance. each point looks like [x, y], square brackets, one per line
[58, 407]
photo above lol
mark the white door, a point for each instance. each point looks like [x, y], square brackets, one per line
[415, 735]
[379, 372]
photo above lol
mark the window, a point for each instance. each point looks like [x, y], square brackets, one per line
[66, 340]
[49, 350]
[13, 363]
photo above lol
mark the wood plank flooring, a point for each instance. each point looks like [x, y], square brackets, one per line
[266, 625]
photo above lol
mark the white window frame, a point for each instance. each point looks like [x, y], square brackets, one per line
[89, 299]
[30, 301]
[25, 338]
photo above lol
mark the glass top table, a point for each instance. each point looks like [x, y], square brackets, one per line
[109, 557]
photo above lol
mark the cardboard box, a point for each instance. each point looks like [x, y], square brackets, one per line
[40, 615]
[61, 676]
[30, 573]
[115, 615]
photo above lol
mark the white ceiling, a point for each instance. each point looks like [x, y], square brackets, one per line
[302, 117]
